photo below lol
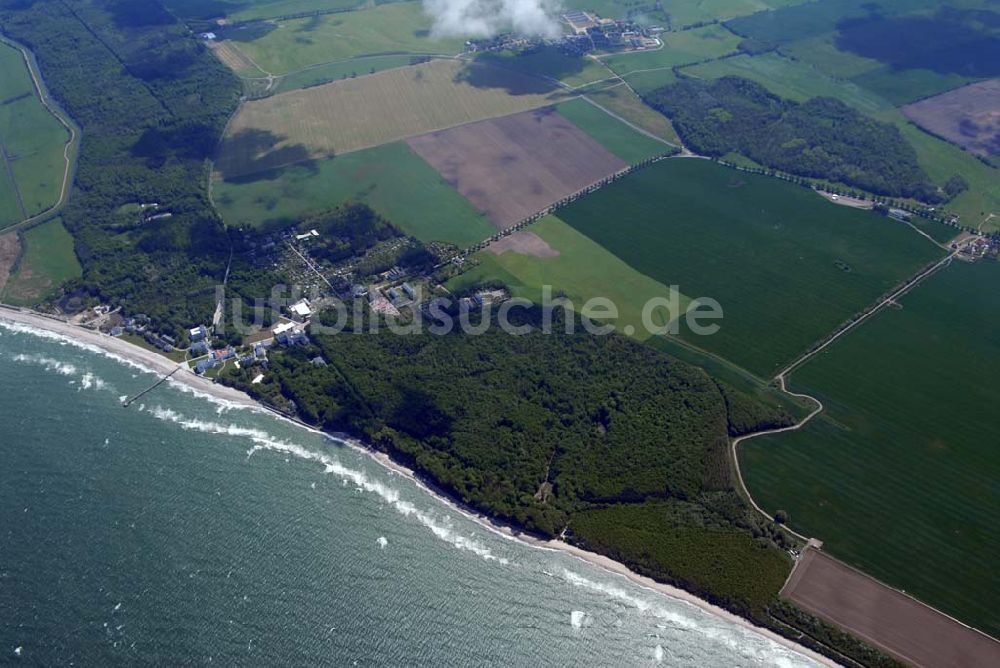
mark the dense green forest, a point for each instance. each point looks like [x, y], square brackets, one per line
[535, 429]
[617, 447]
[821, 138]
[151, 101]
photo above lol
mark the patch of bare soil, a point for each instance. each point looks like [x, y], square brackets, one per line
[885, 617]
[512, 167]
[968, 116]
[523, 243]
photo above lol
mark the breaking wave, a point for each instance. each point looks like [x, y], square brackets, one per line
[441, 528]
[741, 640]
[69, 341]
[47, 363]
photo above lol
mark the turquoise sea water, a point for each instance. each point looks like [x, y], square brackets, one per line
[186, 531]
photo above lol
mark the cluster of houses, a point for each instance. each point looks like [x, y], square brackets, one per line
[977, 247]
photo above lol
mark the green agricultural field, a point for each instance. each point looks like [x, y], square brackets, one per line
[386, 29]
[679, 48]
[48, 261]
[903, 87]
[346, 69]
[390, 178]
[786, 266]
[551, 62]
[621, 101]
[898, 86]
[32, 142]
[580, 271]
[899, 476]
[612, 134]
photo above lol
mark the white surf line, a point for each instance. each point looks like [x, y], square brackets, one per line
[41, 91]
[129, 354]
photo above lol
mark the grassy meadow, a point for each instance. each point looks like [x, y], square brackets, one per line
[47, 262]
[384, 29]
[391, 179]
[612, 134]
[786, 265]
[32, 140]
[898, 477]
[582, 270]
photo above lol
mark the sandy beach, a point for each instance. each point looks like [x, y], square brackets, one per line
[159, 364]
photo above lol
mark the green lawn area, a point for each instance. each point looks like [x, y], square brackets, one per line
[136, 340]
[48, 261]
[582, 270]
[386, 29]
[551, 62]
[612, 134]
[679, 48]
[899, 476]
[786, 265]
[32, 140]
[390, 178]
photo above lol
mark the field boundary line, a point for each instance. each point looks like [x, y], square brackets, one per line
[69, 147]
[13, 182]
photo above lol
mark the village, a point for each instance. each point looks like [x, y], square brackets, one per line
[397, 293]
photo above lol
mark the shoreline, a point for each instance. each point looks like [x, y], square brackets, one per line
[156, 363]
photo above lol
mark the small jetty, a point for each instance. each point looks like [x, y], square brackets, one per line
[128, 402]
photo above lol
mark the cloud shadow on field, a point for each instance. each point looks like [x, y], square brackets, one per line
[253, 155]
[480, 75]
[952, 41]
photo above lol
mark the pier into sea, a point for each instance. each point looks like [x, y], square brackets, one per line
[128, 402]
